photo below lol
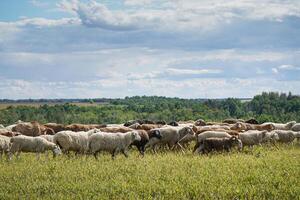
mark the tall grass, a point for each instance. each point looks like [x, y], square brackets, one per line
[262, 173]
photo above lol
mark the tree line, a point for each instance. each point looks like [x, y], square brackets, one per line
[271, 106]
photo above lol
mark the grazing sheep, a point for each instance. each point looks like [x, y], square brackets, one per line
[117, 129]
[210, 134]
[254, 137]
[279, 126]
[73, 141]
[83, 127]
[173, 123]
[251, 121]
[232, 121]
[219, 144]
[32, 129]
[112, 142]
[239, 126]
[48, 137]
[171, 136]
[296, 127]
[145, 139]
[23, 143]
[4, 145]
[200, 122]
[55, 127]
[8, 133]
[285, 136]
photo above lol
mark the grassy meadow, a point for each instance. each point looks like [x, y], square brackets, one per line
[261, 173]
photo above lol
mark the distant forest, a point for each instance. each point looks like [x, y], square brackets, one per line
[270, 106]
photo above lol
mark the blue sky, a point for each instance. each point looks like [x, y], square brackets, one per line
[182, 48]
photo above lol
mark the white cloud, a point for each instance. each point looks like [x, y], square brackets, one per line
[137, 2]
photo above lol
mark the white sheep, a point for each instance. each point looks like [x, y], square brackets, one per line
[112, 142]
[4, 145]
[48, 137]
[286, 136]
[37, 145]
[73, 141]
[280, 126]
[171, 136]
[209, 134]
[254, 137]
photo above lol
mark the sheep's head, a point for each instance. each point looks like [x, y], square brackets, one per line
[135, 136]
[236, 141]
[56, 150]
[156, 133]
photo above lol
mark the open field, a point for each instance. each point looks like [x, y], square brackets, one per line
[262, 173]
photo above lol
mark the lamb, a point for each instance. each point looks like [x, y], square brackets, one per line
[4, 145]
[209, 134]
[219, 144]
[145, 139]
[73, 141]
[23, 143]
[112, 142]
[171, 136]
[279, 126]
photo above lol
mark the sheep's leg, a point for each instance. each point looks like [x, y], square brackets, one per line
[38, 156]
[18, 154]
[142, 150]
[96, 155]
[125, 153]
[1, 153]
[114, 154]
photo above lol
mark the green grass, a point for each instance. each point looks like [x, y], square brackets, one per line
[262, 173]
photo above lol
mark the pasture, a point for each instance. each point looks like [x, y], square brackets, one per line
[262, 173]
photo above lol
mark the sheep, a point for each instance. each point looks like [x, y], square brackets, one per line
[296, 127]
[219, 144]
[4, 145]
[48, 137]
[171, 136]
[32, 129]
[55, 127]
[8, 133]
[251, 121]
[145, 139]
[73, 141]
[23, 143]
[285, 136]
[239, 126]
[122, 129]
[209, 134]
[10, 127]
[232, 121]
[200, 122]
[173, 123]
[112, 142]
[83, 127]
[279, 126]
[255, 137]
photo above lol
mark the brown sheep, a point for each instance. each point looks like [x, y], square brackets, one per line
[56, 127]
[32, 129]
[83, 127]
[7, 133]
[219, 144]
[239, 126]
[116, 129]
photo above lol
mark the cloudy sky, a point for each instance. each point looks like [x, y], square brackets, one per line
[182, 48]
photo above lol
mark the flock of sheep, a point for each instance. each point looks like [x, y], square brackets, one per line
[144, 134]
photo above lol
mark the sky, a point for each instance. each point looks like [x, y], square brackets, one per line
[174, 48]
